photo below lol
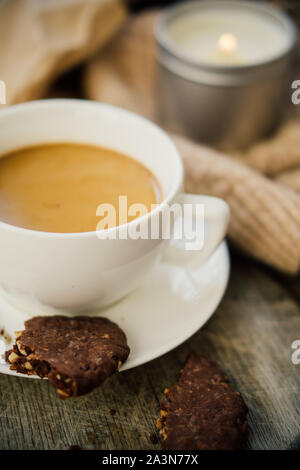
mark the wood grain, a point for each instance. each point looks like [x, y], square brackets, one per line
[250, 336]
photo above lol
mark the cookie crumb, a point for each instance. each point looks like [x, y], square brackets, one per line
[5, 335]
[153, 438]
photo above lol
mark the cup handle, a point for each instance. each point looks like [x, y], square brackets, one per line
[209, 213]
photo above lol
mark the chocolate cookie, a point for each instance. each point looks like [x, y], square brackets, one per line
[76, 353]
[202, 411]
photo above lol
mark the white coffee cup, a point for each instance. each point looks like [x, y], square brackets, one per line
[76, 271]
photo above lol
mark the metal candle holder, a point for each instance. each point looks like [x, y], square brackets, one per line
[226, 105]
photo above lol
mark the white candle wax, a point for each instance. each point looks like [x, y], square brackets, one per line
[231, 36]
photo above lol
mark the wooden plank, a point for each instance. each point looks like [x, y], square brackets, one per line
[250, 336]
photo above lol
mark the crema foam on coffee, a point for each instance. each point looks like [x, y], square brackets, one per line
[58, 187]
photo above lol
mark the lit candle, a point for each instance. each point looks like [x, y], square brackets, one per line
[228, 35]
[227, 50]
[223, 69]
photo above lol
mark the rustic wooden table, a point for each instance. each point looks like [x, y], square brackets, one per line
[250, 336]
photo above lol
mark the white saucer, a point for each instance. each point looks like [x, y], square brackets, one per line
[171, 305]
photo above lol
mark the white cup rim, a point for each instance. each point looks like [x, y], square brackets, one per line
[176, 185]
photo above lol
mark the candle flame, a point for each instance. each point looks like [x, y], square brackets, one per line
[227, 43]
